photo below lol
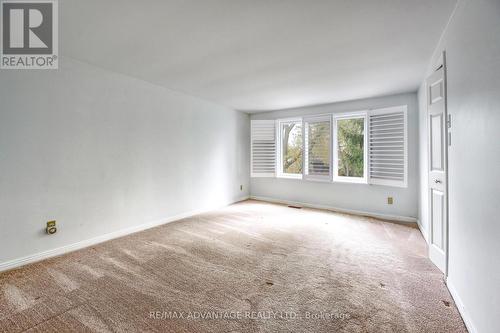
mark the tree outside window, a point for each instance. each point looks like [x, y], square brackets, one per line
[291, 134]
[350, 138]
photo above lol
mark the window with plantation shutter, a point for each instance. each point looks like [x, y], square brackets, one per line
[263, 148]
[317, 145]
[388, 147]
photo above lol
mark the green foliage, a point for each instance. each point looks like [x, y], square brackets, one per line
[292, 148]
[351, 147]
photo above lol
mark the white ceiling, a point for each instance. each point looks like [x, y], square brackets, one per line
[257, 55]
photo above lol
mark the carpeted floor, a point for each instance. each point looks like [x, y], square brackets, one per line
[250, 267]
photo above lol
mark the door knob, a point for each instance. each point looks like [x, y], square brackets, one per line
[437, 181]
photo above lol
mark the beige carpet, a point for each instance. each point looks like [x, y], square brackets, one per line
[251, 267]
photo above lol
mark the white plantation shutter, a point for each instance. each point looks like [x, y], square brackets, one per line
[318, 146]
[388, 156]
[263, 148]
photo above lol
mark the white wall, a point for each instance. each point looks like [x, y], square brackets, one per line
[423, 200]
[101, 152]
[358, 197]
[472, 44]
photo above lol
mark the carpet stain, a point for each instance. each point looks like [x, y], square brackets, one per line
[62, 280]
[91, 271]
[90, 320]
[16, 298]
[121, 265]
[238, 229]
[131, 254]
[175, 249]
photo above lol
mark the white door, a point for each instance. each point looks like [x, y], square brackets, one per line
[438, 202]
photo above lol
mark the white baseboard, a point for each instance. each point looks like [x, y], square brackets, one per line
[423, 231]
[396, 218]
[461, 307]
[103, 238]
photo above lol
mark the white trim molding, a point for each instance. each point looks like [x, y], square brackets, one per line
[395, 218]
[423, 231]
[461, 307]
[16, 263]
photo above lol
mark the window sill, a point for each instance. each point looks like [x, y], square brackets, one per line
[318, 179]
[290, 176]
[349, 180]
[339, 180]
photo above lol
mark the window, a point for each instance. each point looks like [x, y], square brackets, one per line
[263, 146]
[291, 148]
[388, 147]
[368, 147]
[350, 148]
[317, 137]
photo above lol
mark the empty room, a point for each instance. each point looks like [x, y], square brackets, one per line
[250, 166]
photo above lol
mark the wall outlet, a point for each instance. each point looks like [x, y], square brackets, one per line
[390, 200]
[51, 228]
[241, 187]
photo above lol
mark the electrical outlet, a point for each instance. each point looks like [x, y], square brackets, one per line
[390, 200]
[241, 187]
[51, 228]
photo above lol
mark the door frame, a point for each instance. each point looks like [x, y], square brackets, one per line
[441, 63]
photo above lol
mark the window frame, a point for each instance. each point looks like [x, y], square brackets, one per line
[344, 116]
[334, 118]
[317, 119]
[279, 156]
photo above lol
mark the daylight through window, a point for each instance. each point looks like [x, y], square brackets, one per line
[350, 147]
[368, 147]
[318, 146]
[291, 148]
